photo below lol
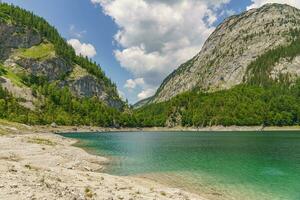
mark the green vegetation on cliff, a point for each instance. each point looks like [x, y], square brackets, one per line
[10, 108]
[52, 98]
[18, 16]
[258, 101]
[6, 72]
[40, 52]
[243, 105]
[258, 72]
[57, 105]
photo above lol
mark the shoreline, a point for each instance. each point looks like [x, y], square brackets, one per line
[92, 129]
[35, 163]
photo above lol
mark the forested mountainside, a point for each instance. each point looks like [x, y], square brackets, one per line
[43, 81]
[247, 73]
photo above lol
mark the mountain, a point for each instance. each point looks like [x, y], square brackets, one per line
[246, 74]
[43, 81]
[226, 57]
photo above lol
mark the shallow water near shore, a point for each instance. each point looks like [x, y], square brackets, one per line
[217, 165]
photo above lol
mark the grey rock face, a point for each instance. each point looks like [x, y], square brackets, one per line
[23, 93]
[89, 86]
[288, 68]
[53, 68]
[13, 37]
[56, 69]
[225, 56]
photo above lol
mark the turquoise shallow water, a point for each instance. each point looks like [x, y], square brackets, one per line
[223, 165]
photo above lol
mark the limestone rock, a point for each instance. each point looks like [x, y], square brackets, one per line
[13, 37]
[53, 68]
[238, 41]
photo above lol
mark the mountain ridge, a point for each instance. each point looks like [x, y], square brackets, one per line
[240, 78]
[239, 40]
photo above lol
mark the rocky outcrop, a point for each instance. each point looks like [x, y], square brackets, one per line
[222, 63]
[287, 68]
[81, 83]
[29, 46]
[54, 68]
[24, 93]
[13, 37]
[89, 86]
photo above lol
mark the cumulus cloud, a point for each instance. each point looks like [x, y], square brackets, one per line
[146, 93]
[139, 83]
[156, 36]
[83, 49]
[133, 83]
[259, 3]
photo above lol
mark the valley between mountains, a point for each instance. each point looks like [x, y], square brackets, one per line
[201, 136]
[245, 75]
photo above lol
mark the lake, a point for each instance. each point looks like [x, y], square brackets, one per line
[217, 165]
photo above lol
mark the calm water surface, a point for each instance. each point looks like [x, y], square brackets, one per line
[223, 165]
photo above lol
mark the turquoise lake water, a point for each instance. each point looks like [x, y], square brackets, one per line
[223, 165]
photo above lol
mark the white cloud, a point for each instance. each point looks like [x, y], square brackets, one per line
[157, 36]
[259, 3]
[96, 1]
[82, 48]
[146, 93]
[133, 83]
[227, 12]
[139, 83]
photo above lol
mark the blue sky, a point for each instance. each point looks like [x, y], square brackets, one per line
[153, 36]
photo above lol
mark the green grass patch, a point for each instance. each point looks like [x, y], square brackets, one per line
[5, 127]
[78, 72]
[3, 132]
[16, 125]
[42, 141]
[40, 52]
[8, 73]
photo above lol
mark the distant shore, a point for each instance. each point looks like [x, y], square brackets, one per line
[89, 129]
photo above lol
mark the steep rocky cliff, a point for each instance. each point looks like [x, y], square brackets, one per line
[27, 50]
[13, 37]
[226, 55]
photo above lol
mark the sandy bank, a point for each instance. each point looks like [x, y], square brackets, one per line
[36, 164]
